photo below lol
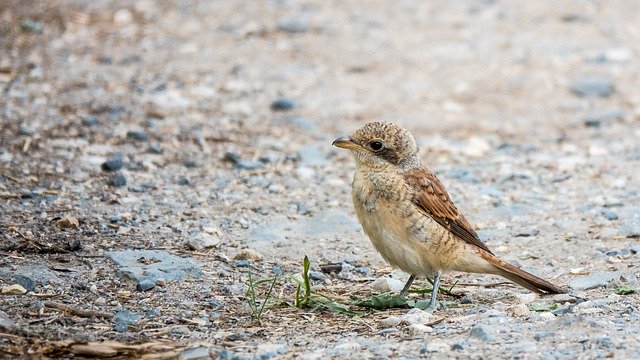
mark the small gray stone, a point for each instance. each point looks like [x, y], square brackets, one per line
[318, 276]
[282, 104]
[630, 223]
[6, 323]
[120, 327]
[89, 121]
[25, 282]
[563, 310]
[179, 330]
[118, 180]
[112, 164]
[256, 180]
[391, 321]
[146, 285]
[195, 353]
[234, 290]
[595, 280]
[183, 181]
[458, 346]
[155, 149]
[363, 270]
[202, 241]
[241, 263]
[483, 332]
[531, 231]
[593, 86]
[610, 214]
[293, 26]
[37, 274]
[125, 316]
[138, 135]
[541, 335]
[153, 264]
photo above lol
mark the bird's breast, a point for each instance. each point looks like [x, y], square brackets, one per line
[404, 237]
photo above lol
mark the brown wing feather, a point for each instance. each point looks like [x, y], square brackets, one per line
[431, 197]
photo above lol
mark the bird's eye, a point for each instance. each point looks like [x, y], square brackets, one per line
[376, 145]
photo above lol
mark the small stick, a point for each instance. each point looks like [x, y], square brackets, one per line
[76, 311]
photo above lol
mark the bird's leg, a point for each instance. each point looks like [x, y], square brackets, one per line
[407, 286]
[434, 293]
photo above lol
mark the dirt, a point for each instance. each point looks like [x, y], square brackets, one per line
[216, 120]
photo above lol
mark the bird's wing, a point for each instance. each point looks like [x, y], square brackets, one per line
[432, 198]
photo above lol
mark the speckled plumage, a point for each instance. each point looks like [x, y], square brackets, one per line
[409, 216]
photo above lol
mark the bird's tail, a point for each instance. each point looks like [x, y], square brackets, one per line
[522, 277]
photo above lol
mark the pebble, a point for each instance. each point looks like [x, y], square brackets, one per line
[317, 275]
[202, 241]
[15, 289]
[89, 121]
[391, 321]
[532, 231]
[563, 310]
[562, 298]
[630, 223]
[125, 316]
[417, 316]
[195, 353]
[364, 271]
[146, 285]
[67, 222]
[234, 290]
[519, 310]
[112, 164]
[31, 26]
[179, 330]
[6, 323]
[595, 280]
[593, 86]
[155, 149]
[385, 284]
[293, 26]
[282, 104]
[240, 163]
[610, 214]
[25, 282]
[118, 180]
[241, 263]
[350, 346]
[138, 135]
[483, 332]
[418, 329]
[158, 264]
[248, 254]
[183, 181]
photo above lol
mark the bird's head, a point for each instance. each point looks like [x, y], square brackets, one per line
[381, 144]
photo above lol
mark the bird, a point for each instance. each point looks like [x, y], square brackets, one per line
[409, 216]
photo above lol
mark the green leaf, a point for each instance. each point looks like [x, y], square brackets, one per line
[625, 290]
[382, 302]
[542, 307]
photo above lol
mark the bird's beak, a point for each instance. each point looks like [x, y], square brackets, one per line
[345, 142]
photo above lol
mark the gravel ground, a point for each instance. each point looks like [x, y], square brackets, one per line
[153, 155]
